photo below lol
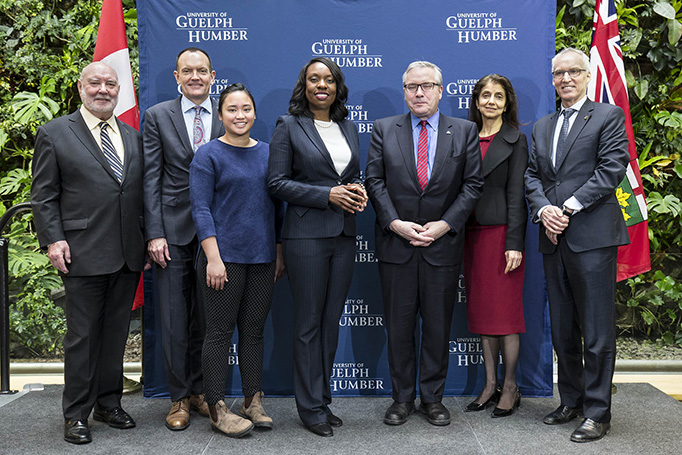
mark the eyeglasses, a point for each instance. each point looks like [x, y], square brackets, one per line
[573, 72]
[425, 86]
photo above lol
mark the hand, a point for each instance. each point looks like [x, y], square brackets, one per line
[60, 254]
[359, 189]
[411, 232]
[157, 249]
[436, 229]
[347, 197]
[513, 259]
[554, 220]
[551, 236]
[280, 268]
[216, 275]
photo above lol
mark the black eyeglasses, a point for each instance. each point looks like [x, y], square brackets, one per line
[425, 86]
[573, 72]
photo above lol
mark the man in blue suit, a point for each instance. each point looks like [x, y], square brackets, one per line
[173, 130]
[578, 157]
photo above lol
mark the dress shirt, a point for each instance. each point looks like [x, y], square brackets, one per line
[336, 144]
[93, 122]
[432, 135]
[189, 113]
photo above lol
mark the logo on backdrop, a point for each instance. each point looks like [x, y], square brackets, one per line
[233, 358]
[204, 26]
[356, 314]
[358, 115]
[461, 90]
[354, 377]
[347, 53]
[466, 351]
[475, 27]
[362, 251]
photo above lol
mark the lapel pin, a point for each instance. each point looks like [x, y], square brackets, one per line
[447, 132]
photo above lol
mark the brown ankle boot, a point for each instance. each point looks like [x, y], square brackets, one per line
[255, 412]
[229, 423]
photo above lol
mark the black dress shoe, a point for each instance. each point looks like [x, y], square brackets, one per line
[499, 412]
[562, 414]
[333, 420]
[473, 406]
[114, 417]
[322, 429]
[590, 431]
[398, 413]
[436, 413]
[77, 432]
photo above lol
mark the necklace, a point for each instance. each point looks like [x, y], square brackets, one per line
[323, 124]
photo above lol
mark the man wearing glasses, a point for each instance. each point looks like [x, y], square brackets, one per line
[423, 178]
[578, 157]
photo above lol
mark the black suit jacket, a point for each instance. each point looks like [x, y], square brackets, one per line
[593, 164]
[302, 173]
[76, 197]
[503, 200]
[454, 187]
[167, 156]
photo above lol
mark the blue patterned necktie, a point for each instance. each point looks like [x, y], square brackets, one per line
[563, 135]
[199, 136]
[110, 152]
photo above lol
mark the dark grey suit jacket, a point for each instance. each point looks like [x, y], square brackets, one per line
[454, 187]
[167, 156]
[301, 172]
[76, 197]
[593, 164]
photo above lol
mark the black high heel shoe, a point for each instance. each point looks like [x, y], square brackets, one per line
[473, 406]
[499, 412]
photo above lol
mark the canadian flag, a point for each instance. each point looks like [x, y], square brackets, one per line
[112, 49]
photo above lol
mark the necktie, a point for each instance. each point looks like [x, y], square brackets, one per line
[110, 152]
[561, 143]
[199, 137]
[423, 156]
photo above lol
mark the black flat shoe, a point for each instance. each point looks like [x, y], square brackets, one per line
[473, 406]
[398, 413]
[77, 432]
[562, 414]
[334, 420]
[322, 429]
[590, 431]
[436, 413]
[499, 412]
[114, 417]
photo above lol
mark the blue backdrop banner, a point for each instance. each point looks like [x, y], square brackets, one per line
[263, 44]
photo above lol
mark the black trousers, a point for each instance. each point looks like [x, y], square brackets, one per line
[182, 321]
[411, 290]
[582, 292]
[97, 318]
[320, 272]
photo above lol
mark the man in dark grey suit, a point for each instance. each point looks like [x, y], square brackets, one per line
[578, 157]
[423, 178]
[87, 205]
[173, 130]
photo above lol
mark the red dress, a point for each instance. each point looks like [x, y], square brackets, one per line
[494, 300]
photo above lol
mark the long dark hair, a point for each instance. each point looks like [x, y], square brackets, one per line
[511, 114]
[236, 87]
[298, 104]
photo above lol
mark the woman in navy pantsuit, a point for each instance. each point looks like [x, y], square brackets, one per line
[315, 167]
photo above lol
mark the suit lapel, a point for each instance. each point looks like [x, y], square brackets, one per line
[80, 129]
[443, 146]
[309, 129]
[216, 124]
[127, 149]
[549, 134]
[178, 119]
[583, 117]
[500, 148]
[352, 144]
[403, 132]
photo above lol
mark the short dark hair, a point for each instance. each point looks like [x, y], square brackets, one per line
[236, 87]
[511, 114]
[298, 104]
[194, 49]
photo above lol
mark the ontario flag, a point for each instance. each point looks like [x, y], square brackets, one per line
[112, 49]
[608, 85]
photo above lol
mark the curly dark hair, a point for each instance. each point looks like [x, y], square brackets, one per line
[298, 104]
[511, 114]
[236, 87]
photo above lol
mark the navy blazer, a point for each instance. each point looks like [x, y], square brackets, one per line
[503, 200]
[167, 156]
[302, 173]
[393, 187]
[76, 197]
[590, 169]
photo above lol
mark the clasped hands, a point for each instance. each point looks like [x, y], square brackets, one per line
[555, 222]
[417, 234]
[351, 197]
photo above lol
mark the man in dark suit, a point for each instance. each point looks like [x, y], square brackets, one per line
[578, 157]
[423, 178]
[173, 130]
[87, 205]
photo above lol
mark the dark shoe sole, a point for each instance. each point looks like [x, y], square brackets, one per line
[120, 426]
[394, 421]
[563, 421]
[78, 441]
[591, 439]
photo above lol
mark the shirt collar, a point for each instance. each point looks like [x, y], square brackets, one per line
[577, 106]
[186, 104]
[431, 121]
[93, 122]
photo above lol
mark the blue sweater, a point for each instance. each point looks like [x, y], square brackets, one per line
[230, 200]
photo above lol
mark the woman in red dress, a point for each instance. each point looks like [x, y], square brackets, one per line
[493, 258]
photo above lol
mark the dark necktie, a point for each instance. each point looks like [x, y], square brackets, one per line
[423, 156]
[199, 136]
[110, 152]
[563, 135]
